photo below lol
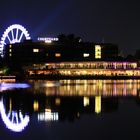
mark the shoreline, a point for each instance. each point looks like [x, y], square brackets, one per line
[58, 77]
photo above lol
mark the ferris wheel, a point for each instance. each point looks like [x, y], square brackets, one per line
[13, 34]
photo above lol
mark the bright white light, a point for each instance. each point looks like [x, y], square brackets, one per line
[48, 116]
[86, 55]
[16, 36]
[35, 50]
[47, 39]
[19, 125]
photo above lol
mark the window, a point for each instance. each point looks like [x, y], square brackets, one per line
[86, 55]
[35, 50]
[97, 52]
[57, 54]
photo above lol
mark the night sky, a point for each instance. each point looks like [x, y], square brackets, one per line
[111, 21]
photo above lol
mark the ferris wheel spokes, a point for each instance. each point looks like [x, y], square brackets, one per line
[21, 35]
[8, 39]
[17, 35]
[14, 33]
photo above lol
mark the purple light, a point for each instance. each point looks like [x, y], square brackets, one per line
[9, 86]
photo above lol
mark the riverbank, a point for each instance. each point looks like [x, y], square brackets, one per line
[57, 77]
[7, 78]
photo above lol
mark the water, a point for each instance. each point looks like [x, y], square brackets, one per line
[70, 109]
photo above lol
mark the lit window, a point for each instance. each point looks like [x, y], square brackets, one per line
[10, 54]
[10, 50]
[97, 104]
[10, 46]
[48, 41]
[97, 52]
[35, 50]
[58, 55]
[86, 55]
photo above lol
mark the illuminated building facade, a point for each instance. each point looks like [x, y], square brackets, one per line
[77, 59]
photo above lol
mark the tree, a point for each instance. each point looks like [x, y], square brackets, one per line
[69, 39]
[137, 54]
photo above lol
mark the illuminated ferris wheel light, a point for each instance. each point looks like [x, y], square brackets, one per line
[13, 120]
[13, 34]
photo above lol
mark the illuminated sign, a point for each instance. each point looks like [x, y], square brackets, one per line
[47, 39]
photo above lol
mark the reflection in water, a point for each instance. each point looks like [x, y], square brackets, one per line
[13, 120]
[48, 115]
[10, 86]
[16, 104]
[88, 87]
[64, 100]
[86, 101]
[97, 104]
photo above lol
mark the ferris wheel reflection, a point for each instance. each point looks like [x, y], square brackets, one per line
[14, 120]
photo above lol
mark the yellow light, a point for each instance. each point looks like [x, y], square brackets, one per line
[97, 104]
[57, 101]
[36, 105]
[48, 41]
[35, 50]
[86, 101]
[48, 110]
[58, 55]
[10, 104]
[97, 52]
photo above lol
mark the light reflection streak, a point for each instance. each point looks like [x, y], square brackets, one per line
[92, 88]
[9, 86]
[97, 104]
[48, 115]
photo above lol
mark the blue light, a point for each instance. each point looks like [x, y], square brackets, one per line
[11, 37]
[21, 121]
[50, 19]
[9, 86]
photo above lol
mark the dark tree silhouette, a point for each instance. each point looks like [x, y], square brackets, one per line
[137, 54]
[69, 39]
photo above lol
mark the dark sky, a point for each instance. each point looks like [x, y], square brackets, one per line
[114, 21]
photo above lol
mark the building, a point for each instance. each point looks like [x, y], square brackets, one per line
[69, 59]
[30, 52]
